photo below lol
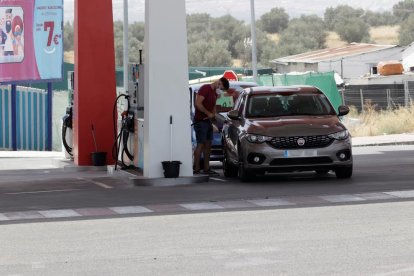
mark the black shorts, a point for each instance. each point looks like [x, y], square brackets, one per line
[203, 131]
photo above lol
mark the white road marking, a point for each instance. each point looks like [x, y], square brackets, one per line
[130, 210]
[24, 215]
[3, 217]
[66, 213]
[271, 202]
[201, 206]
[402, 194]
[100, 184]
[218, 179]
[375, 196]
[235, 204]
[39, 192]
[341, 198]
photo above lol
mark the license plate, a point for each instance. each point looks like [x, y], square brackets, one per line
[300, 153]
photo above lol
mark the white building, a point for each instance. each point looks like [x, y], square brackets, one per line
[350, 61]
[408, 58]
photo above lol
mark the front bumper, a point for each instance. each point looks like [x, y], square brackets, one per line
[265, 158]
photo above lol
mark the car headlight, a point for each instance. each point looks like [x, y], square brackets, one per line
[342, 135]
[253, 138]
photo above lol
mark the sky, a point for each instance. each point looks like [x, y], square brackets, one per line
[240, 9]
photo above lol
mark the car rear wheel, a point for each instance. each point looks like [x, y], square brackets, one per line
[343, 172]
[229, 169]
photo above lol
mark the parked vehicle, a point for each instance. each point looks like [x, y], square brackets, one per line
[225, 103]
[285, 129]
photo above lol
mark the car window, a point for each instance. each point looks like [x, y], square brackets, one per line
[237, 102]
[273, 105]
[224, 103]
[227, 101]
[257, 106]
[241, 104]
[309, 104]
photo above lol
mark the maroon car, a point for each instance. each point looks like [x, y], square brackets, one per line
[285, 129]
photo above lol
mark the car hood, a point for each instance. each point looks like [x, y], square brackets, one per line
[294, 126]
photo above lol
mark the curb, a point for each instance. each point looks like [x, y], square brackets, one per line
[207, 206]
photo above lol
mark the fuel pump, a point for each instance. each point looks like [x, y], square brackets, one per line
[67, 124]
[131, 123]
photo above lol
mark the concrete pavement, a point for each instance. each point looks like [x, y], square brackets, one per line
[30, 160]
[51, 191]
[382, 140]
[25, 165]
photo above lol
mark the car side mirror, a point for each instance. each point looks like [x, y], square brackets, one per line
[343, 110]
[233, 114]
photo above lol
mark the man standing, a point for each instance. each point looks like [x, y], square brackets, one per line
[205, 111]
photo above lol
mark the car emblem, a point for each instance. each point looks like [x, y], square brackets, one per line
[301, 142]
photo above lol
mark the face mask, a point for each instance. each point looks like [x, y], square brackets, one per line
[219, 91]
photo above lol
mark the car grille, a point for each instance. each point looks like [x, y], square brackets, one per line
[300, 161]
[317, 141]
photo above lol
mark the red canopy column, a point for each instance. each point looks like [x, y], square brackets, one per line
[95, 86]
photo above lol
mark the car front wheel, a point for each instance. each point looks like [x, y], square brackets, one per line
[244, 175]
[229, 169]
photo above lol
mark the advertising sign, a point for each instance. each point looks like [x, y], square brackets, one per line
[31, 46]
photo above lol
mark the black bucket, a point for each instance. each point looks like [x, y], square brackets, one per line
[171, 168]
[98, 158]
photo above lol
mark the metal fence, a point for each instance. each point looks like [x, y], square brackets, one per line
[378, 98]
[31, 125]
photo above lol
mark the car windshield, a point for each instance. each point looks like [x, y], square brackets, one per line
[288, 104]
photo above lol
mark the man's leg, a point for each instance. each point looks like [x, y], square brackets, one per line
[207, 152]
[197, 154]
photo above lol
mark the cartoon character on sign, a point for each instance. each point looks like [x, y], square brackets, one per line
[17, 27]
[3, 35]
[8, 44]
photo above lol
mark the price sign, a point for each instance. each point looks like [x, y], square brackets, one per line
[48, 37]
[31, 46]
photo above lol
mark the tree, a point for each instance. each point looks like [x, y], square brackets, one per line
[229, 29]
[303, 34]
[353, 30]
[269, 51]
[244, 48]
[274, 21]
[375, 19]
[406, 35]
[118, 42]
[68, 39]
[338, 15]
[137, 30]
[209, 53]
[134, 46]
[198, 23]
[135, 41]
[402, 10]
[347, 22]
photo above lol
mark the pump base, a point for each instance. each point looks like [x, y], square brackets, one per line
[136, 178]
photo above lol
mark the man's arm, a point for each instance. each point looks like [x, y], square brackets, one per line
[199, 105]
